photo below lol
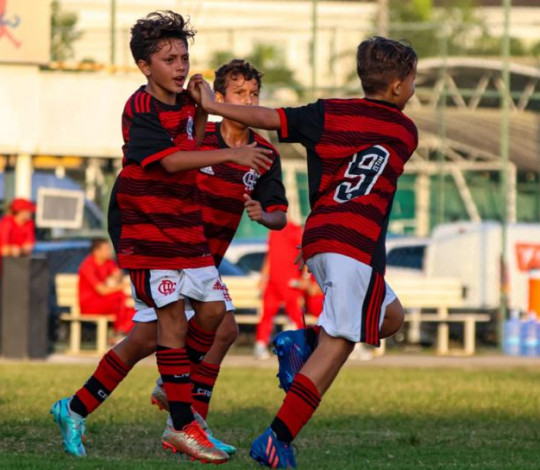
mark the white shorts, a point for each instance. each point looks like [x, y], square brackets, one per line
[355, 297]
[157, 288]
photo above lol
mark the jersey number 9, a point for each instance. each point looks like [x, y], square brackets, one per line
[365, 167]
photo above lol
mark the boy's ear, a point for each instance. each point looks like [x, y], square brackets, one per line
[395, 87]
[219, 97]
[144, 67]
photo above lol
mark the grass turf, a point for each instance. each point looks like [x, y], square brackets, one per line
[372, 418]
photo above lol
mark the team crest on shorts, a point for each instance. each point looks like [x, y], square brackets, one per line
[250, 179]
[167, 287]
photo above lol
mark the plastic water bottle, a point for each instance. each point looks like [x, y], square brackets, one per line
[512, 335]
[529, 338]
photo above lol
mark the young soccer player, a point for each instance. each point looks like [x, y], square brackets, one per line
[225, 190]
[356, 150]
[156, 227]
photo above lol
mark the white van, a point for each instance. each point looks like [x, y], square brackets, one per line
[472, 252]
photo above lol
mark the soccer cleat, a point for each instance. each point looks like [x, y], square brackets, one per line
[292, 349]
[159, 398]
[227, 448]
[270, 452]
[193, 442]
[72, 427]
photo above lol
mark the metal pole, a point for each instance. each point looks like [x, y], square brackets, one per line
[505, 154]
[382, 19]
[113, 33]
[441, 115]
[314, 28]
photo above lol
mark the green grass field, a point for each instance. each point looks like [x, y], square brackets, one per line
[373, 418]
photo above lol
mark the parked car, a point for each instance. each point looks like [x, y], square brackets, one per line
[248, 255]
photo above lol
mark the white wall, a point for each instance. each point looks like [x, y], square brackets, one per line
[62, 113]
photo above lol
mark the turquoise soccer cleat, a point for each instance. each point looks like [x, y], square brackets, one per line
[270, 452]
[72, 427]
[227, 448]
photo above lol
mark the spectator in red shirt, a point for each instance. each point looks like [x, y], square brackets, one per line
[17, 233]
[281, 283]
[100, 287]
[313, 296]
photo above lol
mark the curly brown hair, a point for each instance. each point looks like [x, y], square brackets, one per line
[379, 61]
[234, 69]
[148, 33]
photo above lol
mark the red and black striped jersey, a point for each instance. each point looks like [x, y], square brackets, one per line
[222, 187]
[356, 151]
[155, 216]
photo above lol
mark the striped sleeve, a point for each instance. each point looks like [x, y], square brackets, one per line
[303, 125]
[148, 141]
[270, 191]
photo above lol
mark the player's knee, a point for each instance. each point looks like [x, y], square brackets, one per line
[210, 313]
[393, 319]
[227, 334]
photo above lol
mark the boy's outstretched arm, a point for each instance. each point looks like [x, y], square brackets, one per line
[247, 155]
[253, 116]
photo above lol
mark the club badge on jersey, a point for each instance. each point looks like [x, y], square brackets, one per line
[250, 180]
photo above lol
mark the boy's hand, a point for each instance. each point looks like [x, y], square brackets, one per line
[206, 94]
[254, 209]
[196, 82]
[252, 156]
[299, 260]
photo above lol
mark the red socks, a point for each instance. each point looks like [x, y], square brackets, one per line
[300, 403]
[174, 367]
[109, 373]
[198, 342]
[203, 381]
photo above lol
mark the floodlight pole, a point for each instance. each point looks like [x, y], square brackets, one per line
[112, 25]
[505, 154]
[382, 18]
[314, 28]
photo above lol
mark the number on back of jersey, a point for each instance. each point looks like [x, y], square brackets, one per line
[364, 169]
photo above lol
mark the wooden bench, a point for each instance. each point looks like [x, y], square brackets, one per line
[67, 295]
[418, 294]
[245, 294]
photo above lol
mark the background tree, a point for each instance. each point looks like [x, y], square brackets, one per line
[268, 59]
[63, 32]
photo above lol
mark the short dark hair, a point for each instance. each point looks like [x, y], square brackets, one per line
[233, 69]
[380, 60]
[97, 242]
[147, 33]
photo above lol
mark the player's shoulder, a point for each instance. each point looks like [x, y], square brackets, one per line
[185, 99]
[211, 138]
[262, 142]
[211, 128]
[86, 263]
[138, 103]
